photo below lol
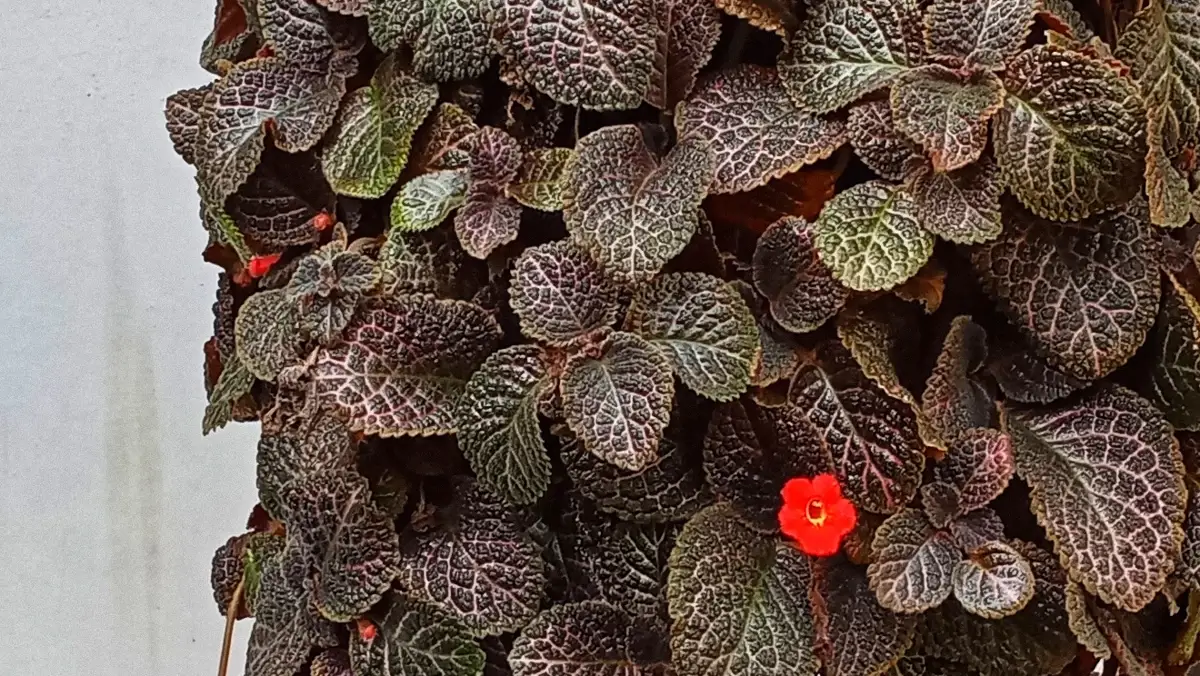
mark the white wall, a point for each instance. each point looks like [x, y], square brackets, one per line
[111, 502]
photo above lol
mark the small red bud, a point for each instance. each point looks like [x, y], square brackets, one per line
[366, 629]
[261, 265]
[323, 221]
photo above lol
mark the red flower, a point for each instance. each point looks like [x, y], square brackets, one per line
[366, 629]
[261, 265]
[815, 514]
[322, 221]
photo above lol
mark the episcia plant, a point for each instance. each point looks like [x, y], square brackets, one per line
[696, 337]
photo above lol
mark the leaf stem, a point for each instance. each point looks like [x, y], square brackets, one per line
[231, 614]
[1185, 643]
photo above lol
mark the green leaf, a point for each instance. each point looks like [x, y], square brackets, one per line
[235, 382]
[738, 601]
[994, 581]
[183, 112]
[956, 399]
[671, 488]
[267, 336]
[403, 363]
[1106, 481]
[870, 238]
[374, 132]
[618, 404]
[1083, 623]
[756, 132]
[309, 446]
[687, 33]
[980, 33]
[872, 437]
[1159, 46]
[542, 179]
[911, 572]
[486, 221]
[750, 452]
[498, 428]
[328, 285]
[286, 623]
[427, 200]
[855, 635]
[878, 336]
[305, 37]
[978, 466]
[1036, 641]
[1096, 282]
[449, 38]
[560, 294]
[800, 289]
[1173, 382]
[504, 579]
[416, 639]
[1167, 188]
[627, 210]
[960, 206]
[703, 327]
[848, 48]
[1070, 135]
[595, 54]
[300, 107]
[350, 545]
[946, 113]
[887, 151]
[589, 639]
[443, 142]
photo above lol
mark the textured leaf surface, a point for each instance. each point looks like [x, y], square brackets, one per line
[443, 142]
[628, 211]
[416, 639]
[975, 529]
[427, 200]
[303, 36]
[374, 132]
[787, 270]
[1106, 482]
[994, 581]
[754, 128]
[856, 636]
[486, 221]
[687, 33]
[979, 465]
[312, 446]
[1082, 622]
[878, 337]
[913, 563]
[233, 29]
[1094, 281]
[235, 382]
[329, 285]
[871, 437]
[847, 48]
[539, 184]
[299, 105]
[1071, 134]
[498, 428]
[631, 568]
[704, 328]
[449, 38]
[1026, 378]
[750, 451]
[349, 544]
[955, 398]
[619, 404]
[946, 113]
[589, 639]
[878, 142]
[276, 206]
[596, 54]
[982, 33]
[669, 489]
[334, 662]
[1034, 642]
[268, 339]
[183, 120]
[560, 294]
[481, 567]
[1160, 47]
[738, 601]
[961, 206]
[770, 15]
[870, 238]
[404, 363]
[286, 623]
[1173, 384]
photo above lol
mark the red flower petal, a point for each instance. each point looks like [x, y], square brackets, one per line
[261, 265]
[827, 488]
[815, 514]
[797, 491]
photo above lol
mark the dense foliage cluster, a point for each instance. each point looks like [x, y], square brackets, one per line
[541, 303]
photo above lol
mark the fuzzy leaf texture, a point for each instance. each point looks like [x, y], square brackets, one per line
[704, 328]
[449, 38]
[945, 113]
[590, 638]
[1106, 482]
[687, 32]
[738, 601]
[596, 54]
[619, 403]
[977, 467]
[959, 206]
[787, 270]
[848, 48]
[1173, 382]
[1095, 281]
[427, 200]
[559, 294]
[268, 338]
[403, 364]
[628, 210]
[982, 33]
[994, 581]
[956, 398]
[870, 238]
[756, 132]
[539, 184]
[414, 638]
[913, 563]
[855, 635]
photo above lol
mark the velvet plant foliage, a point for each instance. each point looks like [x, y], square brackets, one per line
[540, 304]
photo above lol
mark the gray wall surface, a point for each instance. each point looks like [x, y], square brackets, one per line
[111, 501]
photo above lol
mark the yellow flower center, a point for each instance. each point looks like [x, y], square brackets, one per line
[815, 512]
